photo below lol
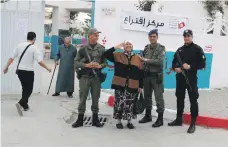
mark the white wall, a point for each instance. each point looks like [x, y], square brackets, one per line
[188, 8]
[219, 72]
[11, 13]
[111, 29]
[73, 4]
[110, 26]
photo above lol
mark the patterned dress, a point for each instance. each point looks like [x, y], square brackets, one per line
[128, 78]
[124, 107]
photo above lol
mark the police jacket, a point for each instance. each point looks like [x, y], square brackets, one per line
[193, 55]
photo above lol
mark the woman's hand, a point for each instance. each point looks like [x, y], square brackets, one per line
[119, 46]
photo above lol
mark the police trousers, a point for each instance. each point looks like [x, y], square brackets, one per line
[181, 86]
[151, 85]
[93, 85]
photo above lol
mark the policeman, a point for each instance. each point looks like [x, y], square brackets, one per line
[187, 60]
[90, 60]
[153, 57]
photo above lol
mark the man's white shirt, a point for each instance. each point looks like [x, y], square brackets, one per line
[32, 54]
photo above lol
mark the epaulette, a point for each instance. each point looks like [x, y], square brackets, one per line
[162, 46]
[147, 45]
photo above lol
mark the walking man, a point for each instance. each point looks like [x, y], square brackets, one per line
[27, 53]
[65, 80]
[90, 60]
[187, 60]
[153, 82]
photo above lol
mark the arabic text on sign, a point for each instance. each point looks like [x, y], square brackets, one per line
[142, 21]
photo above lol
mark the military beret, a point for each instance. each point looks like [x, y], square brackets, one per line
[154, 31]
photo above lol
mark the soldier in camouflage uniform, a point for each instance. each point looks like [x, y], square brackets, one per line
[153, 81]
[90, 69]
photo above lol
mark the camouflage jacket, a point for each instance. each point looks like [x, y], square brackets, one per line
[156, 56]
[96, 55]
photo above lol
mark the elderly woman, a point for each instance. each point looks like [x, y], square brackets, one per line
[127, 81]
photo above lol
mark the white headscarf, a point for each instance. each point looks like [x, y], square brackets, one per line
[128, 41]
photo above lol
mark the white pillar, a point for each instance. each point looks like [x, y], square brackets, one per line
[218, 24]
[55, 18]
[64, 19]
[60, 19]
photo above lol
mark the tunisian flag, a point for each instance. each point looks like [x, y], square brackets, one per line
[181, 25]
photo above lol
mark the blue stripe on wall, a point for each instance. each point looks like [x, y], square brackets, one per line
[169, 76]
[54, 46]
[46, 39]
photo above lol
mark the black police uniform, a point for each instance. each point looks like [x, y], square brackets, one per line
[193, 55]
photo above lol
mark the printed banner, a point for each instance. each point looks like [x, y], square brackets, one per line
[146, 21]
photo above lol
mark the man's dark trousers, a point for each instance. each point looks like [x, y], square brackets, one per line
[27, 80]
[181, 87]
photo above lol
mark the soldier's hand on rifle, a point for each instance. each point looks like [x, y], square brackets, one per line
[89, 65]
[178, 70]
[186, 66]
[120, 46]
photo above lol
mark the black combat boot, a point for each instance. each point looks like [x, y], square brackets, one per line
[79, 122]
[130, 125]
[119, 126]
[96, 121]
[147, 118]
[176, 122]
[192, 126]
[159, 121]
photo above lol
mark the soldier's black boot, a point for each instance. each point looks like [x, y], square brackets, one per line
[176, 122]
[147, 118]
[96, 121]
[79, 122]
[159, 121]
[192, 126]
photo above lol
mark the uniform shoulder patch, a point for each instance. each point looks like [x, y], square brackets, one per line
[147, 45]
[162, 46]
[179, 49]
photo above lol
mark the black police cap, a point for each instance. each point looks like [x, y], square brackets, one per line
[188, 33]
